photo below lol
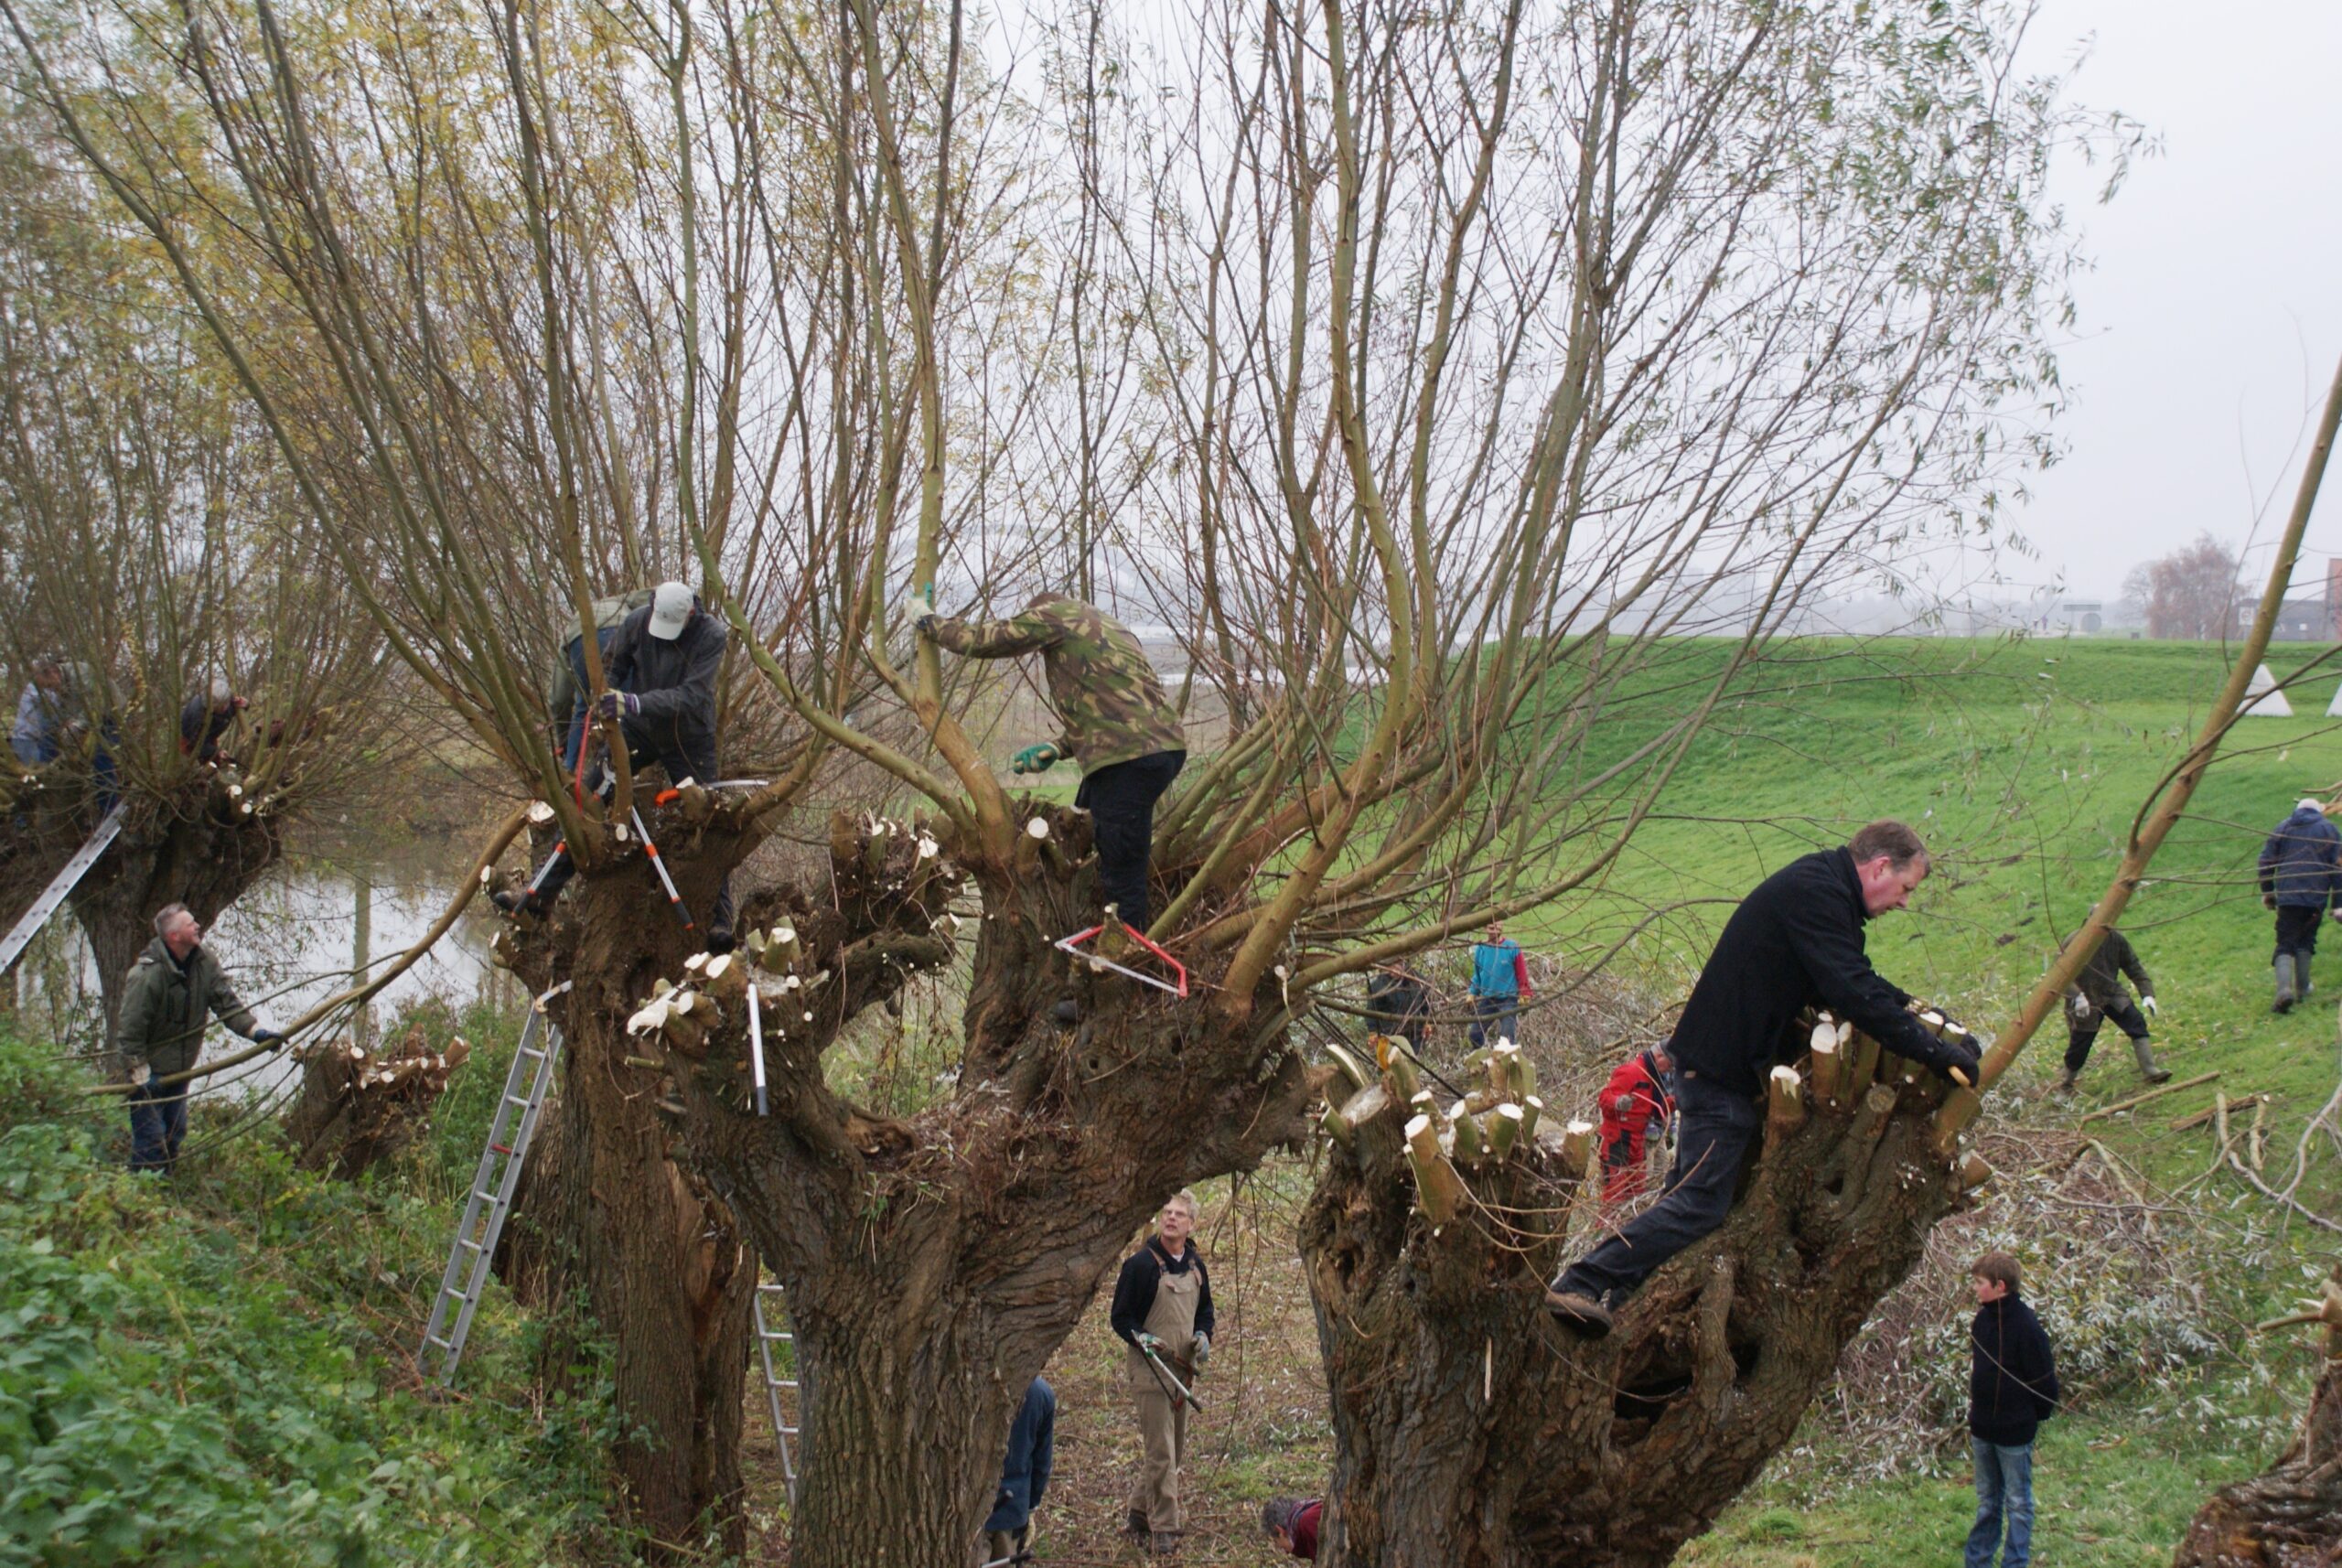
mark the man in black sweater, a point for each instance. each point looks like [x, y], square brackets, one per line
[1795, 942]
[2011, 1390]
[661, 668]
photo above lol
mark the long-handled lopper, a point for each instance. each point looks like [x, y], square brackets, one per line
[1170, 1381]
[675, 899]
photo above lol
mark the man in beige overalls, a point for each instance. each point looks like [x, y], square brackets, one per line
[1163, 1300]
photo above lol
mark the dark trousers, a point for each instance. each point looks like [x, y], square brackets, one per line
[1120, 798]
[157, 1125]
[2080, 1038]
[694, 761]
[1504, 1012]
[1712, 1141]
[2297, 935]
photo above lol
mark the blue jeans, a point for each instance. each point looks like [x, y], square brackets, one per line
[1504, 1012]
[157, 1125]
[1710, 1144]
[2004, 1489]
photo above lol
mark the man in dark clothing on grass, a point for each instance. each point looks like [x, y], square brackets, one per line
[174, 990]
[1795, 942]
[1118, 724]
[2097, 995]
[2301, 878]
[1024, 1474]
[2011, 1390]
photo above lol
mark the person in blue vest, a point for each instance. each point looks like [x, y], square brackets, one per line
[2301, 879]
[1024, 1476]
[1499, 982]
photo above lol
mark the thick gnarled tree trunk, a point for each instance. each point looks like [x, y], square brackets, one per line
[612, 1222]
[2289, 1517]
[199, 847]
[359, 1107]
[933, 1266]
[1471, 1431]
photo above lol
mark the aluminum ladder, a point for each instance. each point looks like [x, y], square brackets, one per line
[490, 1205]
[53, 897]
[782, 1432]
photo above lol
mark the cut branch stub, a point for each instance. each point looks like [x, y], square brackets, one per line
[1609, 1453]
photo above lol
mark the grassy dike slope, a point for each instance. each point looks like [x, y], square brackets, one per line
[218, 1368]
[2024, 763]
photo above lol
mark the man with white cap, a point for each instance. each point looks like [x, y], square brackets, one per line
[2301, 878]
[661, 670]
[206, 717]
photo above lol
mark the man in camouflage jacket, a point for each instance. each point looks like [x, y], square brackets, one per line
[1118, 725]
[2097, 995]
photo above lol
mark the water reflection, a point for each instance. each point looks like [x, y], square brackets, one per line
[288, 943]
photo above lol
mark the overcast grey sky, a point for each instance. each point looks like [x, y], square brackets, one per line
[2212, 320]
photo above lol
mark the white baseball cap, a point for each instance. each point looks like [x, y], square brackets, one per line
[2310, 804]
[670, 606]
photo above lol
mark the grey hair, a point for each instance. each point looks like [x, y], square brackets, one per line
[168, 915]
[1278, 1514]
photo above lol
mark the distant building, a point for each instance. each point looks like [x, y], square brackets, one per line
[2079, 616]
[2298, 620]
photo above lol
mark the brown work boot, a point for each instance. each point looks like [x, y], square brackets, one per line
[1163, 1543]
[1135, 1525]
[1582, 1315]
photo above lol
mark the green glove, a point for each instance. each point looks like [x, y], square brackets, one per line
[919, 609]
[1037, 758]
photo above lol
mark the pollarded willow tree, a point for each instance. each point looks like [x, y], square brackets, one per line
[1472, 394]
[148, 549]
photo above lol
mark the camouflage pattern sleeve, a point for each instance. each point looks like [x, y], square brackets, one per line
[1035, 631]
[1109, 701]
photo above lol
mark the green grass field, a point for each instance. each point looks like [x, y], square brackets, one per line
[2024, 763]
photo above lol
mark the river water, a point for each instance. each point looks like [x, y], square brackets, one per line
[288, 943]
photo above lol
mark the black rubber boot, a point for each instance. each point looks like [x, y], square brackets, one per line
[2285, 968]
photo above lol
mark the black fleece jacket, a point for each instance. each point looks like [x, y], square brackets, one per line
[1795, 942]
[2013, 1387]
[1135, 1288]
[673, 678]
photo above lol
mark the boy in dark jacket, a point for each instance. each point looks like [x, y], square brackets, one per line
[2301, 878]
[2012, 1388]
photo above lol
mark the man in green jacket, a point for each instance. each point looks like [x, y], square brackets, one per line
[1118, 724]
[172, 989]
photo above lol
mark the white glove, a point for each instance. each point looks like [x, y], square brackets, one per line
[916, 606]
[2149, 1003]
[2082, 1007]
[140, 1074]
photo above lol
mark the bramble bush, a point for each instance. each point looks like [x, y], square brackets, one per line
[217, 1368]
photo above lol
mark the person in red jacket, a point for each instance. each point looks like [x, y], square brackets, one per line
[1292, 1525]
[1635, 1103]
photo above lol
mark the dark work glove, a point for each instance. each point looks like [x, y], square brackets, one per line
[1967, 1058]
[267, 1037]
[616, 706]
